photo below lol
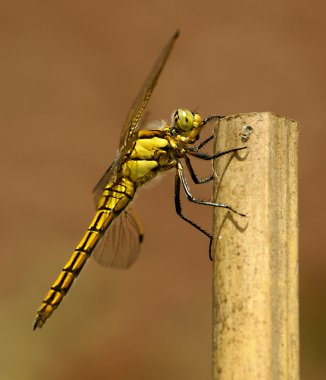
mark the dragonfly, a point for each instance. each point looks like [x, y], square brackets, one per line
[114, 236]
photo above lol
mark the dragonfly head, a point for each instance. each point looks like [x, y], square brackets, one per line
[186, 124]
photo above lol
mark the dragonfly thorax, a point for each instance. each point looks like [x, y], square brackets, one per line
[186, 124]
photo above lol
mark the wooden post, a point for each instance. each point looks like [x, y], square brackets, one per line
[255, 258]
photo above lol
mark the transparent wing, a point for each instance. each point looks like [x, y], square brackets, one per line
[139, 104]
[135, 113]
[106, 177]
[120, 245]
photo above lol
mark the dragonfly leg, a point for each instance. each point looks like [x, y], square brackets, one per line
[203, 123]
[191, 198]
[194, 151]
[178, 207]
[208, 157]
[209, 118]
[203, 143]
[194, 176]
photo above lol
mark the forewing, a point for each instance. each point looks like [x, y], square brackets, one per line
[135, 113]
[139, 104]
[120, 245]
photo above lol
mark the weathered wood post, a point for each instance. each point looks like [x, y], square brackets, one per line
[255, 258]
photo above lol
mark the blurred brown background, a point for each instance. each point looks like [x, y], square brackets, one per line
[68, 73]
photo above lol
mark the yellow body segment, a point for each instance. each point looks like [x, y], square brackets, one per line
[138, 169]
[145, 158]
[142, 154]
[146, 148]
[114, 199]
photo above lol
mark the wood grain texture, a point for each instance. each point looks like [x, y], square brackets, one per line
[255, 269]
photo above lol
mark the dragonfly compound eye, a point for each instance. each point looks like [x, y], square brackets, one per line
[185, 120]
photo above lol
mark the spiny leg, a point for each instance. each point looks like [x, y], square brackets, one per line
[203, 143]
[202, 125]
[178, 207]
[191, 198]
[194, 176]
[211, 117]
[180, 177]
[194, 151]
[204, 156]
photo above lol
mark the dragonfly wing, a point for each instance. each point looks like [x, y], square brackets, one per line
[120, 245]
[135, 113]
[139, 104]
[106, 177]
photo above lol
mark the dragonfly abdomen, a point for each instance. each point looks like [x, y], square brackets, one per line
[142, 155]
[114, 199]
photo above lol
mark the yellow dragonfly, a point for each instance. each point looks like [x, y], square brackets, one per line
[114, 235]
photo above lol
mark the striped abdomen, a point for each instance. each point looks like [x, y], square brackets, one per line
[114, 199]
